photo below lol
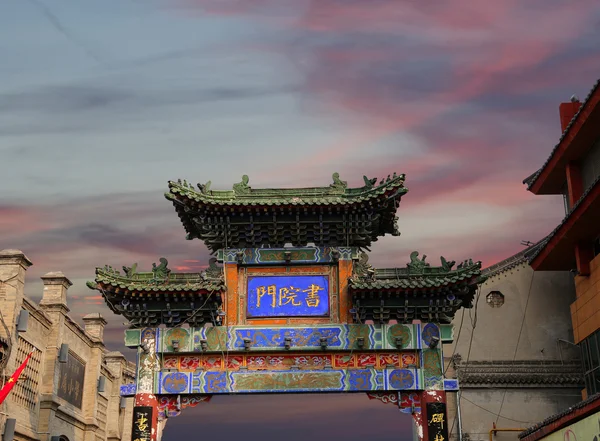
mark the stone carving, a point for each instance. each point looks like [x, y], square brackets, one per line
[161, 272]
[130, 270]
[417, 265]
[337, 182]
[242, 187]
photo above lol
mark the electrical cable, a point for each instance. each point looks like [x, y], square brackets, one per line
[494, 413]
[473, 324]
[462, 319]
[518, 341]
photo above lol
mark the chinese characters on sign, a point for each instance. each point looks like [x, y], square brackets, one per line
[436, 422]
[142, 423]
[70, 384]
[288, 296]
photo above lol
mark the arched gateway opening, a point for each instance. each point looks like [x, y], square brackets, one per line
[269, 318]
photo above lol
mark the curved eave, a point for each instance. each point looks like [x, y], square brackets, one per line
[558, 251]
[133, 290]
[575, 141]
[419, 283]
[181, 194]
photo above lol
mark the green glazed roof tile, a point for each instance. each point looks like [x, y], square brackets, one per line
[161, 279]
[244, 195]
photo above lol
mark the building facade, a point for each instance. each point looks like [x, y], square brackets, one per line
[573, 170]
[513, 352]
[69, 390]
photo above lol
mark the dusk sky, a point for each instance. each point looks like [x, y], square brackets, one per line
[101, 103]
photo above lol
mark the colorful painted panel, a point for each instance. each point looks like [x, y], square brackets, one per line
[297, 380]
[288, 296]
[273, 338]
[286, 361]
[257, 256]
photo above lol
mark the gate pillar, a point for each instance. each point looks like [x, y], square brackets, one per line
[145, 418]
[431, 422]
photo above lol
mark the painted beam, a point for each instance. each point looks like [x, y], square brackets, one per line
[302, 338]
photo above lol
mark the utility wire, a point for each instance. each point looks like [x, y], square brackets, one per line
[518, 341]
[494, 413]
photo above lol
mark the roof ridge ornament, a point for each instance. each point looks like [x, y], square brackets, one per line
[416, 265]
[242, 187]
[337, 182]
[205, 189]
[362, 268]
[161, 272]
[369, 183]
[130, 270]
[213, 271]
[447, 266]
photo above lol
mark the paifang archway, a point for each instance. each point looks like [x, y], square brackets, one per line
[290, 304]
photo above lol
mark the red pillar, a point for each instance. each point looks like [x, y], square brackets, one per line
[145, 418]
[432, 421]
[574, 183]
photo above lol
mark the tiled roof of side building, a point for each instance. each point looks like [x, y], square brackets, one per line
[530, 180]
[551, 419]
[514, 260]
[565, 220]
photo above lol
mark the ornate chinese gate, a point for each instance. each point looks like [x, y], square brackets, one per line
[267, 318]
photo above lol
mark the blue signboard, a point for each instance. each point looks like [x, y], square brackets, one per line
[288, 296]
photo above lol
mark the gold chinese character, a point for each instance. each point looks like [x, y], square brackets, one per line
[438, 437]
[312, 298]
[288, 295]
[261, 291]
[63, 384]
[438, 418]
[141, 422]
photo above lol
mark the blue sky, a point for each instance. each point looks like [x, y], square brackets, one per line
[101, 103]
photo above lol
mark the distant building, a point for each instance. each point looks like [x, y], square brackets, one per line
[517, 366]
[573, 170]
[70, 388]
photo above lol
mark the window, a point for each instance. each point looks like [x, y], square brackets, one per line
[495, 299]
[591, 363]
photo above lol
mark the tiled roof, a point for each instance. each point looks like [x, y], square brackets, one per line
[564, 221]
[148, 282]
[513, 261]
[560, 415]
[532, 179]
[520, 373]
[244, 195]
[430, 277]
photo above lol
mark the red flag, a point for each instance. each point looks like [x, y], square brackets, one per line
[13, 380]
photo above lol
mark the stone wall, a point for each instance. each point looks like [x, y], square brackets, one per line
[513, 353]
[47, 401]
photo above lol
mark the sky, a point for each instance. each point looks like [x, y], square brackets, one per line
[101, 103]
